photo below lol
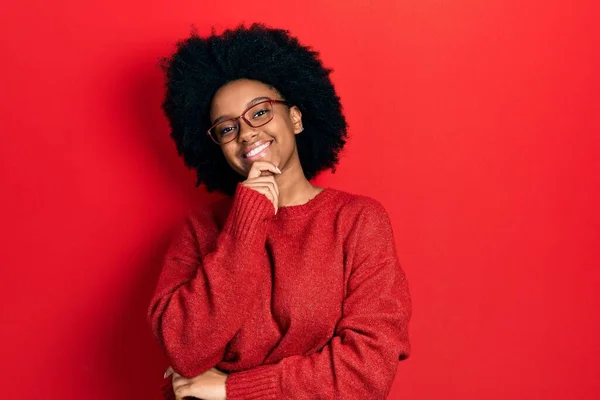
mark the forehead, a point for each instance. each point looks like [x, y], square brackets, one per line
[231, 99]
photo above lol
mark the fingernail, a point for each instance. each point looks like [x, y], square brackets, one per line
[278, 170]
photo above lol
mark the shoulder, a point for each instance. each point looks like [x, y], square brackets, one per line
[367, 227]
[361, 215]
[359, 205]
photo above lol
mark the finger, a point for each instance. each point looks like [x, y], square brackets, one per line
[263, 165]
[168, 372]
[271, 190]
[218, 371]
[184, 392]
[179, 382]
[275, 190]
[266, 179]
[264, 190]
[259, 166]
[177, 377]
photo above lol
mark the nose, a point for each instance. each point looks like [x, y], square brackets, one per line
[246, 132]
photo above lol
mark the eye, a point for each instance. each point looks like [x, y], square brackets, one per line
[260, 113]
[227, 130]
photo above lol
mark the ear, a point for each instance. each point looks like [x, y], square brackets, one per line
[296, 117]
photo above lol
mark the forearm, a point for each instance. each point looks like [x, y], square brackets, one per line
[201, 301]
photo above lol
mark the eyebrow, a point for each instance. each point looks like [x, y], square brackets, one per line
[250, 103]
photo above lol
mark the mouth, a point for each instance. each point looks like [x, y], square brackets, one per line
[257, 152]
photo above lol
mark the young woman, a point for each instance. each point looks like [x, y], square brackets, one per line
[284, 290]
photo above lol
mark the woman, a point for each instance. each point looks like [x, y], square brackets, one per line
[284, 290]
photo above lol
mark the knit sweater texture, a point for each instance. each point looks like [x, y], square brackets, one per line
[308, 303]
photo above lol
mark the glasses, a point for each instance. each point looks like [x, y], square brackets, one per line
[257, 115]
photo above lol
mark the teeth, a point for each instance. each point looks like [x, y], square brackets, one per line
[257, 150]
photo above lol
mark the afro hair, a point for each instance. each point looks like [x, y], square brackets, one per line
[200, 66]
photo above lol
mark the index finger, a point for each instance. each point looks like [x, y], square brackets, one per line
[259, 166]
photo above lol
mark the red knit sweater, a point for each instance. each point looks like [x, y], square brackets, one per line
[310, 303]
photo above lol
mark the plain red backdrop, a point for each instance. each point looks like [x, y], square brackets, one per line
[475, 123]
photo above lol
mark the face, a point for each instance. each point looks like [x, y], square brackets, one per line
[274, 141]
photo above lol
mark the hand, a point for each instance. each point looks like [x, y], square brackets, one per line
[261, 179]
[209, 385]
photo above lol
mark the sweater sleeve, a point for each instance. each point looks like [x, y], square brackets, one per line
[361, 359]
[207, 283]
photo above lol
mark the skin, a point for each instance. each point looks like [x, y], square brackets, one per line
[292, 186]
[209, 385]
[278, 176]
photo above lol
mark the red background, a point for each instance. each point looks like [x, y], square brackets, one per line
[474, 122]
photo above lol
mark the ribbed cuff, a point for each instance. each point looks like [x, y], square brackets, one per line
[259, 383]
[249, 214]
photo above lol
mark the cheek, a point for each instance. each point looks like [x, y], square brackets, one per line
[230, 155]
[234, 161]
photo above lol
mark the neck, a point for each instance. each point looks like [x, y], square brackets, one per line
[294, 188]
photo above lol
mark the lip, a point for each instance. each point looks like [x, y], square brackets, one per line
[255, 146]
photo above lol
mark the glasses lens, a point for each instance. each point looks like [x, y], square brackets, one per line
[259, 114]
[225, 131]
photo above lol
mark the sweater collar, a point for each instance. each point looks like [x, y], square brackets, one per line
[304, 209]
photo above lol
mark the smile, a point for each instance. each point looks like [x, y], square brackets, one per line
[257, 152]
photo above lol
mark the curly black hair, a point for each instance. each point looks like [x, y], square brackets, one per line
[200, 66]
